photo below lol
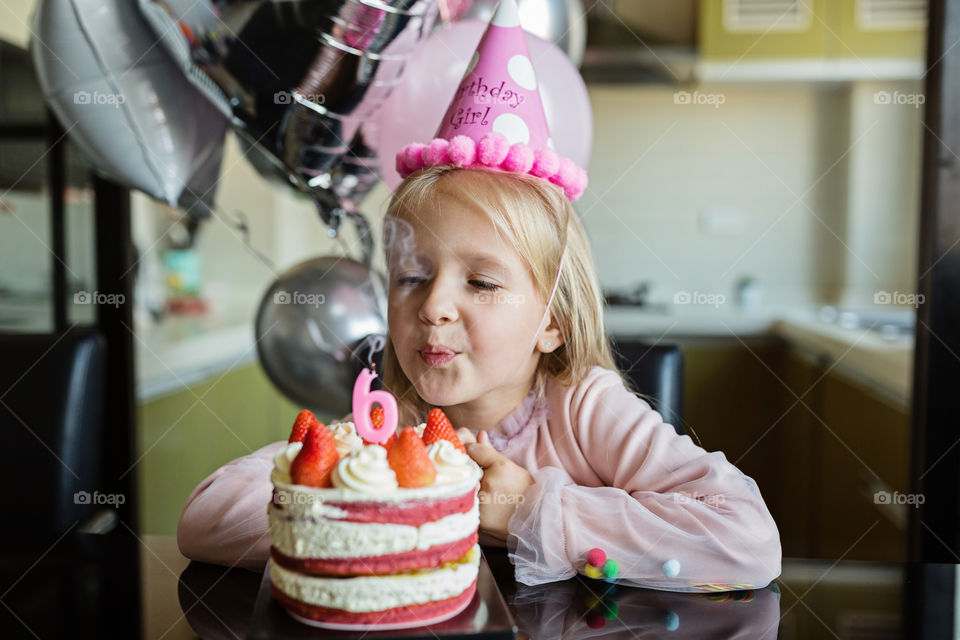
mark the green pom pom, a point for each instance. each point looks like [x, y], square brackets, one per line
[611, 609]
[610, 568]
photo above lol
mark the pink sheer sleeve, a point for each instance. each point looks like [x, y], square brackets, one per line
[665, 500]
[225, 518]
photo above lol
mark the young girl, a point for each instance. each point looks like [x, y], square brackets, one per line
[495, 315]
[572, 459]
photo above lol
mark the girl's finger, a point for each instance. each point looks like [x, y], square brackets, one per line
[483, 454]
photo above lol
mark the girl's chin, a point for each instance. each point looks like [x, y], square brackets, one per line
[438, 395]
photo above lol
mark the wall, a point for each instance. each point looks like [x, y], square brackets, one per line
[821, 180]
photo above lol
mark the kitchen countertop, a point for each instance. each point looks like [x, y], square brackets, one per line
[182, 351]
[885, 365]
[860, 353]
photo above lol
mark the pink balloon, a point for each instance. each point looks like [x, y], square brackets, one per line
[413, 111]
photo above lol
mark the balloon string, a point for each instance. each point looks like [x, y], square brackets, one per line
[241, 224]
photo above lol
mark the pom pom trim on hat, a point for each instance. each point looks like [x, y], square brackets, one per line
[495, 152]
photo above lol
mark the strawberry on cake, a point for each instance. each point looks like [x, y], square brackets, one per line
[374, 535]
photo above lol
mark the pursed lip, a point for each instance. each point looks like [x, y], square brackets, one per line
[437, 349]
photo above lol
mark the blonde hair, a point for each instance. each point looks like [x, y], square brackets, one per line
[539, 222]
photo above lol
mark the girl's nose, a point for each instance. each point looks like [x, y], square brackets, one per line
[438, 307]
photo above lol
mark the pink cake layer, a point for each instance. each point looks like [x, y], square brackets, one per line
[378, 565]
[409, 512]
[396, 615]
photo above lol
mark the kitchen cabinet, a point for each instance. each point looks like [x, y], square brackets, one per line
[731, 403]
[878, 28]
[862, 444]
[819, 443]
[770, 40]
[738, 29]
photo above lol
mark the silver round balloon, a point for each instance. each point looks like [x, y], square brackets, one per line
[562, 22]
[314, 329]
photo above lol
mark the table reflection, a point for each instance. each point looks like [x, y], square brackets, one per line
[583, 608]
[91, 582]
[812, 598]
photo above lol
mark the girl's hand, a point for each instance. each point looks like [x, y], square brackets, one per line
[466, 436]
[501, 488]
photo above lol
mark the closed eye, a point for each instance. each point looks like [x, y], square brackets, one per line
[483, 284]
[479, 284]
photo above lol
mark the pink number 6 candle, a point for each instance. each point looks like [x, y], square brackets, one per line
[363, 401]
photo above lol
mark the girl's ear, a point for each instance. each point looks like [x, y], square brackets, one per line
[550, 338]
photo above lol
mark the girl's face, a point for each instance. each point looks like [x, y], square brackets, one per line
[463, 311]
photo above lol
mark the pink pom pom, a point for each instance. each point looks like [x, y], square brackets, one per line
[462, 151]
[546, 163]
[413, 156]
[519, 159]
[579, 186]
[566, 174]
[596, 557]
[401, 165]
[436, 152]
[492, 149]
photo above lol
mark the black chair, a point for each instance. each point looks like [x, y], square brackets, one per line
[656, 372]
[51, 409]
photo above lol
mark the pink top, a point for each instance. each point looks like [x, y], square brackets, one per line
[609, 473]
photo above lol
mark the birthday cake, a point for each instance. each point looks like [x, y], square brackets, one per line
[374, 535]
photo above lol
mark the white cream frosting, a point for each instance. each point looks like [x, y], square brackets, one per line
[356, 484]
[375, 593]
[452, 464]
[365, 470]
[329, 537]
[345, 435]
[283, 459]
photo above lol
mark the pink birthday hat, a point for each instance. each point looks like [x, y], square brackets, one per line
[496, 118]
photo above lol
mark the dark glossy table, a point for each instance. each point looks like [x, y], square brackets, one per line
[86, 586]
